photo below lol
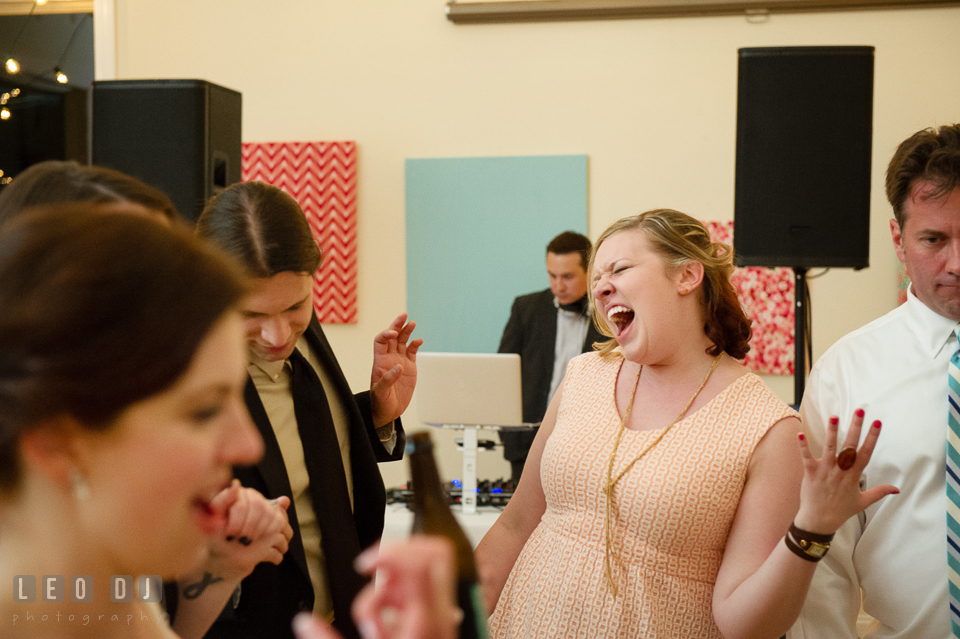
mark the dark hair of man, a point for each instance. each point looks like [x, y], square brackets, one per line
[681, 239]
[262, 227]
[571, 242]
[54, 182]
[930, 155]
[101, 309]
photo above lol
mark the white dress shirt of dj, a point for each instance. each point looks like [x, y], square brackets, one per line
[895, 368]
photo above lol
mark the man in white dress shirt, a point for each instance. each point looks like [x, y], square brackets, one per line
[895, 368]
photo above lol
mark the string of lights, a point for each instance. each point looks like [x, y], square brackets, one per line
[58, 74]
[13, 66]
[40, 107]
[5, 115]
[4, 98]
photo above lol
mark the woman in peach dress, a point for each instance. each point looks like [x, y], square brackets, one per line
[657, 497]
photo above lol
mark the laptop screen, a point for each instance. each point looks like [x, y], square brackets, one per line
[471, 389]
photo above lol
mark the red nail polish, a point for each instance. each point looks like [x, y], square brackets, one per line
[859, 412]
[896, 491]
[801, 437]
[834, 421]
[876, 423]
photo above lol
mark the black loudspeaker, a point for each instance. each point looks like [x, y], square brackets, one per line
[804, 132]
[181, 136]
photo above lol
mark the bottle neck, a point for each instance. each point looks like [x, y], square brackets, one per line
[428, 492]
[431, 506]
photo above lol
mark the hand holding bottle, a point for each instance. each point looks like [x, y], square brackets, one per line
[412, 599]
[432, 516]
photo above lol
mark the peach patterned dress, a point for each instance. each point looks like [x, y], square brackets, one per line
[673, 511]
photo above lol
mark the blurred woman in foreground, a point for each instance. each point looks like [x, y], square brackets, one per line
[248, 537]
[121, 415]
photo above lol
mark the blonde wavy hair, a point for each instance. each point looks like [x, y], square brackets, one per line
[681, 239]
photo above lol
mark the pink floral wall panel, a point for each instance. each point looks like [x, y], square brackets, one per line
[322, 177]
[767, 297]
[903, 283]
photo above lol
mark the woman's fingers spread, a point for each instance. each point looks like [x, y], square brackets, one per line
[852, 439]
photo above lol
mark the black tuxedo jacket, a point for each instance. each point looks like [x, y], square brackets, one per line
[531, 332]
[272, 595]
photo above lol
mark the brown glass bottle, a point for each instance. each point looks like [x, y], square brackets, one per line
[432, 516]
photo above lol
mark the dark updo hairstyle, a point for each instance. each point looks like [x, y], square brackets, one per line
[262, 227]
[100, 309]
[931, 155]
[55, 182]
[681, 239]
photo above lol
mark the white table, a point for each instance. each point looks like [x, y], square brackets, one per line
[399, 520]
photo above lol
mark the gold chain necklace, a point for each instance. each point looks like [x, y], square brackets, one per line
[612, 483]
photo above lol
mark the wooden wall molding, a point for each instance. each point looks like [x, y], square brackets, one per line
[555, 10]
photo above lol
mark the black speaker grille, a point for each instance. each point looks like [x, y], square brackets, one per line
[172, 134]
[804, 133]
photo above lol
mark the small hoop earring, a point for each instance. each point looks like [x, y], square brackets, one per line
[81, 489]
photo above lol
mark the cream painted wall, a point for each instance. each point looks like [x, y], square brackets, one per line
[652, 102]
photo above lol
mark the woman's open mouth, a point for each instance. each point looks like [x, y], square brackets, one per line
[619, 319]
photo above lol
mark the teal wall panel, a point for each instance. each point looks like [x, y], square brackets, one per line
[477, 231]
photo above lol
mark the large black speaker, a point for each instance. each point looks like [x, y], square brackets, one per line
[804, 132]
[181, 136]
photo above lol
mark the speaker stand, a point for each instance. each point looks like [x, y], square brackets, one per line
[800, 330]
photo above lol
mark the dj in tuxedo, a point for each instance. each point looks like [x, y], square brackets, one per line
[548, 329]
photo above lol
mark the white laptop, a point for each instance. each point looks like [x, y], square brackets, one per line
[469, 389]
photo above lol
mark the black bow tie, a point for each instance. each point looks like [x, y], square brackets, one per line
[580, 306]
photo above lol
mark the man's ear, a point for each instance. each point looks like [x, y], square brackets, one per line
[897, 234]
[50, 448]
[690, 277]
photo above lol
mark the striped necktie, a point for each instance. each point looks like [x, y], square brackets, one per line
[953, 491]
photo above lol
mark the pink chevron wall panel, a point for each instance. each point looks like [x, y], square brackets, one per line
[322, 177]
[767, 296]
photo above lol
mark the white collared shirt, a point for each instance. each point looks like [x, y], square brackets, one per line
[895, 368]
[571, 333]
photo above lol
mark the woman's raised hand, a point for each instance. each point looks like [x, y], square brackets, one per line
[830, 493]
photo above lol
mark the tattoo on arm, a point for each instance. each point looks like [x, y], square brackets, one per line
[194, 590]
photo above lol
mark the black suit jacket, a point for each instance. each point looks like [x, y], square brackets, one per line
[272, 595]
[531, 332]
